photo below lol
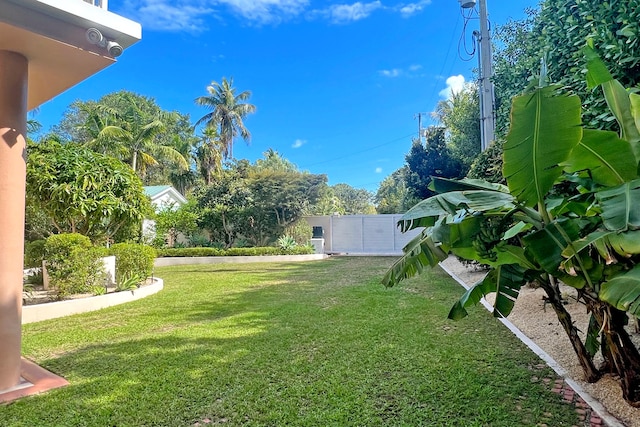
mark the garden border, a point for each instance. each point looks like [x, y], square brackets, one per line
[53, 310]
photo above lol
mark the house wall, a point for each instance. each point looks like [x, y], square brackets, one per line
[362, 234]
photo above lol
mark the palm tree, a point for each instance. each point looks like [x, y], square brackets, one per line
[209, 154]
[132, 134]
[227, 112]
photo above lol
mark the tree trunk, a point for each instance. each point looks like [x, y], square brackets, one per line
[591, 373]
[620, 354]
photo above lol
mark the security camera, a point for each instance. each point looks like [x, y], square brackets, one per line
[94, 36]
[114, 49]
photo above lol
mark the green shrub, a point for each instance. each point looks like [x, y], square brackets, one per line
[287, 242]
[301, 231]
[488, 164]
[34, 253]
[74, 265]
[255, 251]
[132, 260]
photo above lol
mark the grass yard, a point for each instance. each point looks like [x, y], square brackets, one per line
[300, 344]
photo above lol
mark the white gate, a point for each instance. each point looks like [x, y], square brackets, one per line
[362, 234]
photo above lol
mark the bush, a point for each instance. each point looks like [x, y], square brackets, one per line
[301, 231]
[34, 253]
[132, 260]
[488, 164]
[255, 251]
[74, 265]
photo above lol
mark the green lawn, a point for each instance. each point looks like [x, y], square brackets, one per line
[298, 344]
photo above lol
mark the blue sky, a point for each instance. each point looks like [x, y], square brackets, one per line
[337, 84]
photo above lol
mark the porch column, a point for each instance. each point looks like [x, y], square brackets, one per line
[13, 127]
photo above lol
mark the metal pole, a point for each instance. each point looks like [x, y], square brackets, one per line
[487, 110]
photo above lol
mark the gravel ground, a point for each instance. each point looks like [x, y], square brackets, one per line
[541, 325]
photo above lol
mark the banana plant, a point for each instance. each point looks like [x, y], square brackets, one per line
[567, 214]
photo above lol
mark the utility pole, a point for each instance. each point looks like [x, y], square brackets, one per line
[419, 117]
[485, 83]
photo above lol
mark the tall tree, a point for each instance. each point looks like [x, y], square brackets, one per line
[429, 160]
[460, 115]
[85, 122]
[353, 201]
[209, 154]
[228, 110]
[393, 195]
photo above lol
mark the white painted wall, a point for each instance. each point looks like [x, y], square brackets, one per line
[363, 234]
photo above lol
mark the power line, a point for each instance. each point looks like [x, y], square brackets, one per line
[359, 151]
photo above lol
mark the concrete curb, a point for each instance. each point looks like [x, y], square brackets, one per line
[53, 310]
[597, 407]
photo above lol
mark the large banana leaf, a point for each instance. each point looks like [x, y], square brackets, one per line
[420, 252]
[545, 127]
[608, 158]
[425, 213]
[505, 281]
[617, 99]
[444, 185]
[619, 206]
[623, 291]
[625, 244]
[547, 245]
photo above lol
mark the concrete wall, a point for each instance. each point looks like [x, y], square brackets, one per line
[362, 234]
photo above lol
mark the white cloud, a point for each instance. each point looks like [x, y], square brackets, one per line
[411, 71]
[455, 84]
[413, 8]
[298, 143]
[266, 11]
[188, 15]
[394, 72]
[378, 170]
[161, 15]
[344, 13]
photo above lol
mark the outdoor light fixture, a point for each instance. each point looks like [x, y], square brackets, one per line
[94, 36]
[467, 4]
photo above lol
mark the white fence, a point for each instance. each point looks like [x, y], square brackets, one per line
[362, 234]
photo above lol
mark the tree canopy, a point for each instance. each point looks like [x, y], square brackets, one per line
[82, 191]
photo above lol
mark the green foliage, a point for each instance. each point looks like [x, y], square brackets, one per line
[430, 160]
[34, 253]
[228, 110]
[132, 260]
[74, 265]
[569, 215]
[488, 164]
[613, 26]
[301, 232]
[129, 283]
[256, 204]
[84, 192]
[255, 251]
[460, 115]
[287, 242]
[134, 129]
[393, 195]
[173, 221]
